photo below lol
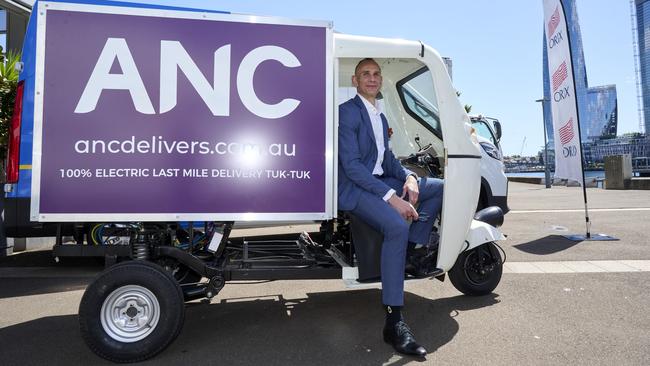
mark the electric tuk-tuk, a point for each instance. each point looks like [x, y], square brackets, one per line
[243, 134]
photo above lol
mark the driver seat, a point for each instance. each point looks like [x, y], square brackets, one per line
[367, 244]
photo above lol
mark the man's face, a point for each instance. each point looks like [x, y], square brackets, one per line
[367, 79]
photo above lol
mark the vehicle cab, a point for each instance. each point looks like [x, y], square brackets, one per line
[494, 183]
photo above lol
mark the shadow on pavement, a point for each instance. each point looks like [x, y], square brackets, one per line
[44, 258]
[332, 328]
[65, 275]
[16, 287]
[547, 245]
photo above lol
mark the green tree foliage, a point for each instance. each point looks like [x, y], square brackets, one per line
[8, 83]
[468, 107]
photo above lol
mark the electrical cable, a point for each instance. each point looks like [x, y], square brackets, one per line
[93, 233]
[467, 247]
[502, 251]
[97, 233]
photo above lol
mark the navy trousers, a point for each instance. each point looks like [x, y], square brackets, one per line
[398, 232]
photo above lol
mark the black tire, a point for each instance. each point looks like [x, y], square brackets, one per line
[137, 287]
[470, 277]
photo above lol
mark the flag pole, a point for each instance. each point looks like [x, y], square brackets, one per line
[584, 186]
[582, 153]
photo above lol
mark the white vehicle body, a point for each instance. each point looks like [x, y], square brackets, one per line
[458, 148]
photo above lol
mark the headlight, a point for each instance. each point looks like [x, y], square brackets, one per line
[491, 150]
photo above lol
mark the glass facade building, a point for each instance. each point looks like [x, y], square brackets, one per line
[14, 15]
[602, 108]
[597, 106]
[634, 144]
[643, 33]
[3, 30]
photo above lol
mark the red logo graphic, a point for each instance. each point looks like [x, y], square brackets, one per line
[559, 76]
[566, 132]
[555, 20]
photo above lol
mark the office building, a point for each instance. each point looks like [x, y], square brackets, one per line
[14, 15]
[643, 34]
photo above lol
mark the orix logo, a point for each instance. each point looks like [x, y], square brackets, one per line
[554, 39]
[555, 20]
[569, 151]
[566, 136]
[559, 76]
[566, 132]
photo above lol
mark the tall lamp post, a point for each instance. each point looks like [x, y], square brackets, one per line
[547, 173]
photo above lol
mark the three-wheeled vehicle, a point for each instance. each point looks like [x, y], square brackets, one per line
[243, 132]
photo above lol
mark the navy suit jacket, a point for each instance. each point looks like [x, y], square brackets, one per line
[358, 155]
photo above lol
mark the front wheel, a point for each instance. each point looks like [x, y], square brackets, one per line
[131, 312]
[477, 271]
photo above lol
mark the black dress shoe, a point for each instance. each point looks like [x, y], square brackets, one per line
[421, 262]
[401, 338]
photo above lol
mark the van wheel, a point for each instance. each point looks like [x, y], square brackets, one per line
[131, 312]
[477, 271]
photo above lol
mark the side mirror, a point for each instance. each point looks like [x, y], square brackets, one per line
[497, 126]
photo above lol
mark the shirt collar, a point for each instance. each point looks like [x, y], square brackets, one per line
[372, 108]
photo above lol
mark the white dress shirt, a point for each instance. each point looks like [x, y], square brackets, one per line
[374, 112]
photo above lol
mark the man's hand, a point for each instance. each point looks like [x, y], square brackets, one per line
[411, 187]
[404, 208]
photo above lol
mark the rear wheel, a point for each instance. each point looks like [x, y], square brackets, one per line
[477, 271]
[131, 312]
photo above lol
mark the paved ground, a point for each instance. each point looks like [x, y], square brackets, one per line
[532, 319]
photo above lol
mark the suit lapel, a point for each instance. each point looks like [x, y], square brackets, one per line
[384, 125]
[366, 119]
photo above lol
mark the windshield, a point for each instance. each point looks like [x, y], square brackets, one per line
[419, 98]
[483, 130]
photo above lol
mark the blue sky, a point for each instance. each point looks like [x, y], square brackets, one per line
[496, 47]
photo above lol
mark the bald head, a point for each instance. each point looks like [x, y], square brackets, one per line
[367, 79]
[364, 61]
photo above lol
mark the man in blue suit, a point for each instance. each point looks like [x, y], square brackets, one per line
[375, 187]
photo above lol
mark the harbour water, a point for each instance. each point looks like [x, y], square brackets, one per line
[588, 174]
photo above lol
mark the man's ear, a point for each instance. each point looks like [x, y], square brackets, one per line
[354, 81]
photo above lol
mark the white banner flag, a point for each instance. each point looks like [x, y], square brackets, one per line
[564, 110]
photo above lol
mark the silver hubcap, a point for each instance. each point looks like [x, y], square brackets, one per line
[130, 313]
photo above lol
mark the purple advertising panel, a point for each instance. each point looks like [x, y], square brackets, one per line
[147, 114]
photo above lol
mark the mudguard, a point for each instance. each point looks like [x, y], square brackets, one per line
[481, 233]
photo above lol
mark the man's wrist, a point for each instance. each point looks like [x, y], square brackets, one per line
[412, 175]
[389, 194]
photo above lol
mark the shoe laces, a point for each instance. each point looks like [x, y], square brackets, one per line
[402, 328]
